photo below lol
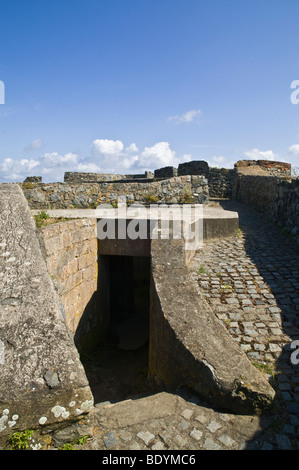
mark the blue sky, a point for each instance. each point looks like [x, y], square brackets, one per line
[126, 86]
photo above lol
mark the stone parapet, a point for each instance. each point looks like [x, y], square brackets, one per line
[184, 189]
[263, 167]
[80, 177]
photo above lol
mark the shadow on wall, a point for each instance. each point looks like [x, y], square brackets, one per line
[276, 257]
[112, 336]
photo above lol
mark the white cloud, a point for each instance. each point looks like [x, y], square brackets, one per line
[256, 154]
[190, 116]
[132, 148]
[111, 156]
[51, 165]
[294, 149]
[16, 170]
[54, 159]
[106, 156]
[157, 156]
[106, 147]
[221, 162]
[218, 159]
[34, 145]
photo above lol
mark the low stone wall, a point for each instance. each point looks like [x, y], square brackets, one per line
[256, 191]
[221, 182]
[70, 252]
[196, 167]
[277, 198]
[263, 167]
[166, 172]
[284, 209]
[183, 189]
[79, 177]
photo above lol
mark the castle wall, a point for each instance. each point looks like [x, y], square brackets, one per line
[221, 181]
[277, 198]
[182, 189]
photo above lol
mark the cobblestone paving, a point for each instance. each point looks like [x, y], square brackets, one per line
[252, 283]
[172, 422]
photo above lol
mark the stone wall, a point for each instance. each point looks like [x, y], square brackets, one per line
[71, 254]
[192, 181]
[89, 195]
[166, 172]
[276, 197]
[284, 209]
[196, 167]
[221, 181]
[80, 177]
[263, 167]
[256, 191]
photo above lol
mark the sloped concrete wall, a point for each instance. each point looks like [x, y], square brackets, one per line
[190, 347]
[43, 383]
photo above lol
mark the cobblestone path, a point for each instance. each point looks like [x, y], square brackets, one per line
[252, 283]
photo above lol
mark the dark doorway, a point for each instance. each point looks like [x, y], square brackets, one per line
[118, 367]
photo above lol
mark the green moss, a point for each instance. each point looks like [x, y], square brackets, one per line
[78, 442]
[150, 198]
[20, 440]
[40, 218]
[202, 270]
[265, 367]
[28, 185]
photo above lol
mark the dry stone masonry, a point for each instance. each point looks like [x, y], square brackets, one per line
[91, 194]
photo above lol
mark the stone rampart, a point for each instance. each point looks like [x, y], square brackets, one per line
[256, 191]
[221, 182]
[80, 177]
[276, 197]
[263, 167]
[166, 172]
[284, 209]
[183, 189]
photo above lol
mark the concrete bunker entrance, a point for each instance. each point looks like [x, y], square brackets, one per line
[117, 368]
